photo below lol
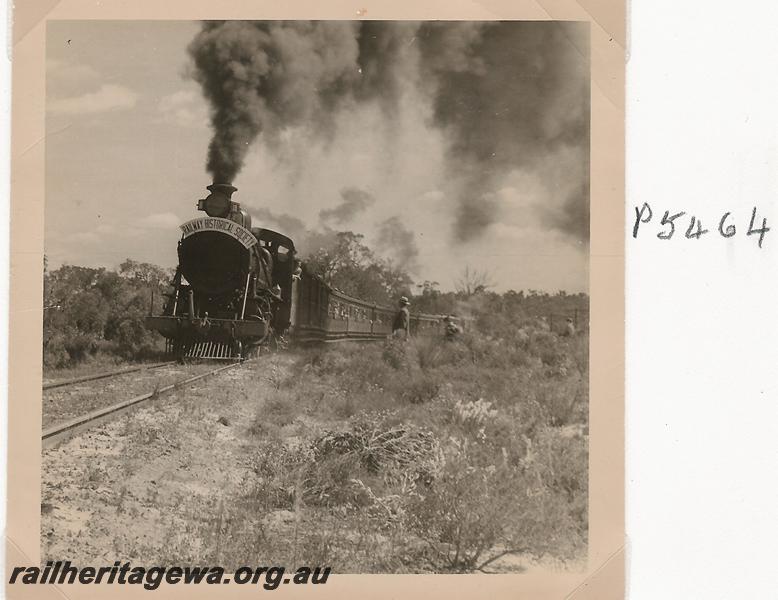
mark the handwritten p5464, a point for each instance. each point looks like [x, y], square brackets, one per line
[727, 226]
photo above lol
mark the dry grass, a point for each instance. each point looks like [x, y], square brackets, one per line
[428, 456]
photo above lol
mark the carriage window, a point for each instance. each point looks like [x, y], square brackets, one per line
[282, 253]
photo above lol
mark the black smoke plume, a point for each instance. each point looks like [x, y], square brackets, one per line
[399, 242]
[508, 96]
[306, 240]
[511, 95]
[263, 76]
[353, 202]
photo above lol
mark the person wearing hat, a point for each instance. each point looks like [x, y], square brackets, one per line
[452, 329]
[569, 328]
[298, 270]
[402, 321]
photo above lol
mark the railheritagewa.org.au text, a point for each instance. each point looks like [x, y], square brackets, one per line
[64, 573]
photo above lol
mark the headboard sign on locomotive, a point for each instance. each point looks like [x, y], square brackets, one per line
[238, 287]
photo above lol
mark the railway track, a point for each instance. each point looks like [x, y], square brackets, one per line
[64, 430]
[108, 374]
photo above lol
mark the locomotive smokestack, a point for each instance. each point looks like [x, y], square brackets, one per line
[218, 203]
[225, 189]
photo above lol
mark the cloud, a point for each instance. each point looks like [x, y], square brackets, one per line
[185, 108]
[137, 228]
[109, 97]
[85, 237]
[105, 229]
[61, 73]
[159, 221]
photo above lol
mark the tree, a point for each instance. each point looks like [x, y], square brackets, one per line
[350, 266]
[473, 281]
[87, 310]
[145, 272]
[430, 299]
[348, 254]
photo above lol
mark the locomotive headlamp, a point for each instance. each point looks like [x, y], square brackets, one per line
[218, 203]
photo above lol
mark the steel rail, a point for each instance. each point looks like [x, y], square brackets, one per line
[62, 431]
[56, 384]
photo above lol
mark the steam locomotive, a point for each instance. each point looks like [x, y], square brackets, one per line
[238, 288]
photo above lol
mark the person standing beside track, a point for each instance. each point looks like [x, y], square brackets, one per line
[452, 329]
[401, 327]
[569, 328]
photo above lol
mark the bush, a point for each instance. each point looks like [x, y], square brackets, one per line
[371, 447]
[55, 352]
[96, 311]
[398, 354]
[417, 388]
[430, 455]
[465, 511]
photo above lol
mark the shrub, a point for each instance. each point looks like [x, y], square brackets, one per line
[91, 311]
[564, 402]
[418, 388]
[464, 512]
[371, 447]
[55, 352]
[474, 413]
[397, 353]
[429, 455]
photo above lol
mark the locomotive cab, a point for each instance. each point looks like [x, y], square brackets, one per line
[282, 252]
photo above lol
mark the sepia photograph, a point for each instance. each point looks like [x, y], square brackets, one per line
[317, 294]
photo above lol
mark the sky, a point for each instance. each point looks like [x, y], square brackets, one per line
[448, 148]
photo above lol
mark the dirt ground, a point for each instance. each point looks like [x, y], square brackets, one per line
[130, 489]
